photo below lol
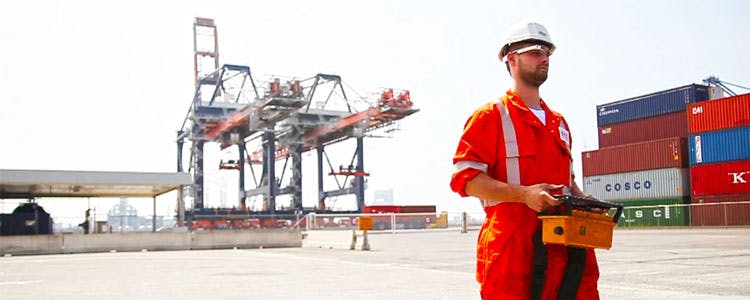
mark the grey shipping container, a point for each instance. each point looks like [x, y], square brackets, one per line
[655, 104]
[649, 184]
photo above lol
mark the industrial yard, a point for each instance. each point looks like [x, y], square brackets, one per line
[685, 264]
[288, 150]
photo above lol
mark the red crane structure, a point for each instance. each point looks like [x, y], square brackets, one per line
[229, 109]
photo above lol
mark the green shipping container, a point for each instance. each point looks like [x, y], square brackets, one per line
[655, 212]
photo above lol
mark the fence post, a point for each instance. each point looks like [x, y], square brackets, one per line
[464, 222]
[365, 242]
[726, 219]
[393, 223]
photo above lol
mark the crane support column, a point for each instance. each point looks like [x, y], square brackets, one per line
[180, 144]
[181, 190]
[321, 192]
[360, 180]
[296, 153]
[198, 175]
[269, 161]
[243, 197]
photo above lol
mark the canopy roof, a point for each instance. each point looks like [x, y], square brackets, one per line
[58, 183]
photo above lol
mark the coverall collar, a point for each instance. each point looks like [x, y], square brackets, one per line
[514, 99]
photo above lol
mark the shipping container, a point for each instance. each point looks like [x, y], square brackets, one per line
[659, 103]
[659, 154]
[655, 212]
[420, 216]
[719, 114]
[720, 146]
[399, 209]
[642, 130]
[721, 210]
[720, 178]
[650, 184]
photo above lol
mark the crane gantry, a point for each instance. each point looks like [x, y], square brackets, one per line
[229, 109]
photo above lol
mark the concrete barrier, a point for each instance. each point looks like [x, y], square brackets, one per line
[137, 241]
[131, 241]
[31, 244]
[246, 239]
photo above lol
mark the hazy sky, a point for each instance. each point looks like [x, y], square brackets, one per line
[104, 85]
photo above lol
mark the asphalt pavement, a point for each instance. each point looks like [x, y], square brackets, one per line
[642, 264]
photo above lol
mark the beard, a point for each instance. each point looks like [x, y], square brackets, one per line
[533, 78]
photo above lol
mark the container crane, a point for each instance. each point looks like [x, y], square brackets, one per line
[228, 108]
[723, 85]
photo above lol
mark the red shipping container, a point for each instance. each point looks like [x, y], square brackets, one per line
[418, 209]
[399, 209]
[721, 178]
[707, 210]
[659, 154]
[719, 114]
[642, 130]
[382, 209]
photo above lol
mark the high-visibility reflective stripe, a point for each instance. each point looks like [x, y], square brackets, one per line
[471, 164]
[511, 146]
[512, 165]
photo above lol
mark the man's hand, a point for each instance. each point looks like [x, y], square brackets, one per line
[538, 196]
[594, 209]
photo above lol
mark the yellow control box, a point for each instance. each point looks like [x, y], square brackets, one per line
[579, 228]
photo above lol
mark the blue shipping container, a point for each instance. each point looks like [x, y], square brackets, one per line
[660, 103]
[720, 146]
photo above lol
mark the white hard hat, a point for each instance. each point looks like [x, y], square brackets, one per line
[526, 31]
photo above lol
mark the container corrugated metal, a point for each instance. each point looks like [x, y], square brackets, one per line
[719, 114]
[636, 131]
[659, 103]
[650, 184]
[720, 146]
[659, 154]
[418, 209]
[655, 212]
[721, 178]
[399, 209]
[721, 210]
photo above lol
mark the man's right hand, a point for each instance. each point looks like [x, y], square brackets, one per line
[538, 197]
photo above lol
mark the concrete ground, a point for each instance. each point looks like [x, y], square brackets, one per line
[642, 264]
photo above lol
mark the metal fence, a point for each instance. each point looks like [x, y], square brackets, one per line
[685, 215]
[694, 214]
[394, 222]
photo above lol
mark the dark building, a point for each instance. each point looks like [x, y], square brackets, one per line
[26, 219]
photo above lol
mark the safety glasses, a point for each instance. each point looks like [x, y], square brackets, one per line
[535, 50]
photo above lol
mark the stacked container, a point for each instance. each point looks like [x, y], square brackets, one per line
[643, 157]
[720, 161]
[637, 119]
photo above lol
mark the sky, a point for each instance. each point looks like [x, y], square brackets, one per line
[105, 85]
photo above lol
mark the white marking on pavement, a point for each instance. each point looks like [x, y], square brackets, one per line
[19, 282]
[374, 264]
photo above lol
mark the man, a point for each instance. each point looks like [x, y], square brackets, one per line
[85, 223]
[514, 155]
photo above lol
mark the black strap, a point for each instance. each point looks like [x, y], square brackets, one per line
[573, 273]
[540, 266]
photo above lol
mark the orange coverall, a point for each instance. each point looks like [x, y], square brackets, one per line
[504, 248]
